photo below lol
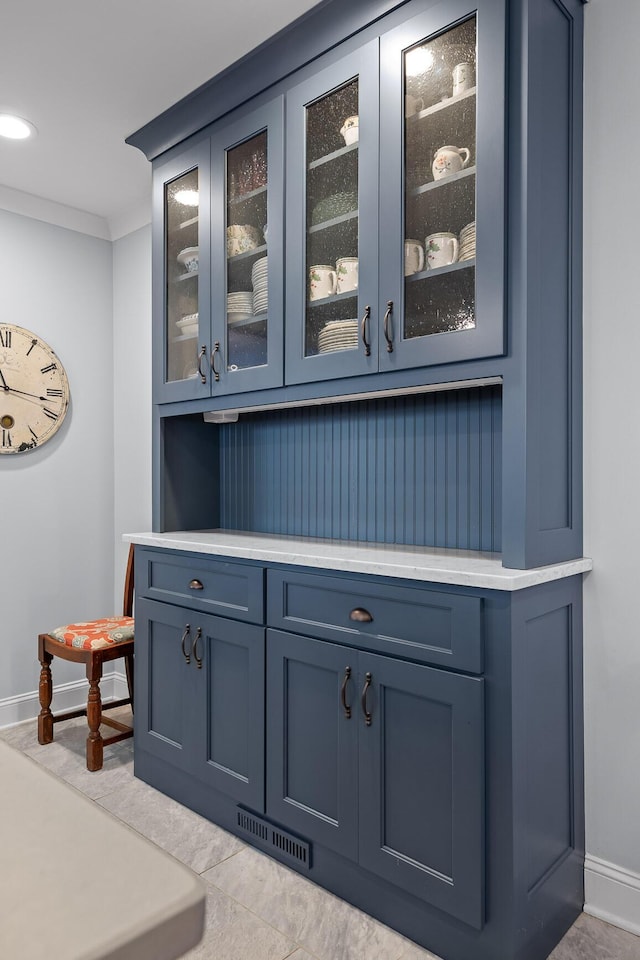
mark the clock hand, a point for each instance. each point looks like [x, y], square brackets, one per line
[4, 382]
[24, 392]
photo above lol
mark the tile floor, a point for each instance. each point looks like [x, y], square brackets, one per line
[256, 908]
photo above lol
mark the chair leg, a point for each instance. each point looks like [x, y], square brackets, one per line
[45, 692]
[94, 715]
[128, 667]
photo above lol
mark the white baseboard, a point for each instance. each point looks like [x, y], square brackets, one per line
[66, 696]
[612, 894]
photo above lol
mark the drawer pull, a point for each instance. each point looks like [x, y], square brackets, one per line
[386, 327]
[195, 585]
[343, 693]
[184, 637]
[365, 322]
[194, 648]
[360, 615]
[363, 699]
[203, 353]
[216, 350]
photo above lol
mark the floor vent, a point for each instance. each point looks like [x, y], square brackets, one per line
[287, 844]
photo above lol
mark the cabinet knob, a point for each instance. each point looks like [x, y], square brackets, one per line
[360, 615]
[195, 585]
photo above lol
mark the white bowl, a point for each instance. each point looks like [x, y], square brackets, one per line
[189, 258]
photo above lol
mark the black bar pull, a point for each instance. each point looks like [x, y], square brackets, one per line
[216, 350]
[363, 700]
[184, 637]
[387, 326]
[364, 326]
[203, 353]
[343, 693]
[194, 648]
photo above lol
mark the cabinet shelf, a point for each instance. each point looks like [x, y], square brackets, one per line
[186, 276]
[188, 223]
[442, 105]
[257, 318]
[439, 271]
[446, 181]
[334, 222]
[336, 298]
[334, 155]
[247, 255]
[245, 197]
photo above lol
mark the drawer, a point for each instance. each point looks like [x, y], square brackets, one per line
[202, 583]
[413, 622]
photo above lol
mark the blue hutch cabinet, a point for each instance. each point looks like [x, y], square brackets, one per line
[359, 611]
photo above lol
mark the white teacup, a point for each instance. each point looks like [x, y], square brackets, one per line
[413, 257]
[347, 274]
[350, 130]
[449, 160]
[412, 105]
[322, 281]
[441, 249]
[464, 78]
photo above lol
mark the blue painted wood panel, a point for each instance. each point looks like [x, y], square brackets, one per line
[421, 470]
[311, 743]
[421, 782]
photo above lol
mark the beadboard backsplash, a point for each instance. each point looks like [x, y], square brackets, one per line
[424, 470]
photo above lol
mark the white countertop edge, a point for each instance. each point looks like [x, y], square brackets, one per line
[463, 568]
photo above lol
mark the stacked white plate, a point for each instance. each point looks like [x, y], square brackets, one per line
[338, 335]
[468, 242]
[239, 306]
[260, 281]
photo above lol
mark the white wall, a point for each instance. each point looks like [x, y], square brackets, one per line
[132, 395]
[56, 503]
[612, 461]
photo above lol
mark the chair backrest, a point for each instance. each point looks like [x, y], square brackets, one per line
[127, 603]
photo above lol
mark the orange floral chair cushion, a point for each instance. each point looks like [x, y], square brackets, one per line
[95, 634]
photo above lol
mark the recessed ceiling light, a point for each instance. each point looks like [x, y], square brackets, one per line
[15, 128]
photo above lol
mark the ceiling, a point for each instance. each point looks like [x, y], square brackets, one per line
[87, 74]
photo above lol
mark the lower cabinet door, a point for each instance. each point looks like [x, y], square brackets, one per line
[228, 660]
[165, 684]
[312, 739]
[200, 696]
[421, 776]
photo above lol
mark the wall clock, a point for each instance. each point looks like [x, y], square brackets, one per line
[34, 390]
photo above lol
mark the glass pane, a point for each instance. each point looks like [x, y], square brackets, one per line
[247, 231]
[440, 183]
[331, 315]
[182, 247]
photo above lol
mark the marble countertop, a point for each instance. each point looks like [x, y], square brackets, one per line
[462, 567]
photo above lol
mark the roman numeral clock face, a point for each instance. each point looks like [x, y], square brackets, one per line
[34, 390]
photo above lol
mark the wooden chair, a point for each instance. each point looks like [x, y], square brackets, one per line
[92, 643]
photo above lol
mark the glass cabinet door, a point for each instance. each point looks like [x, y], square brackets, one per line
[444, 269]
[332, 221]
[181, 193]
[247, 318]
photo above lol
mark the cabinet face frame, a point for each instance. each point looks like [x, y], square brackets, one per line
[165, 391]
[487, 338]
[363, 65]
[270, 119]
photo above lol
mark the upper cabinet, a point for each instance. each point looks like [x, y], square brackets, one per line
[364, 235]
[395, 200]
